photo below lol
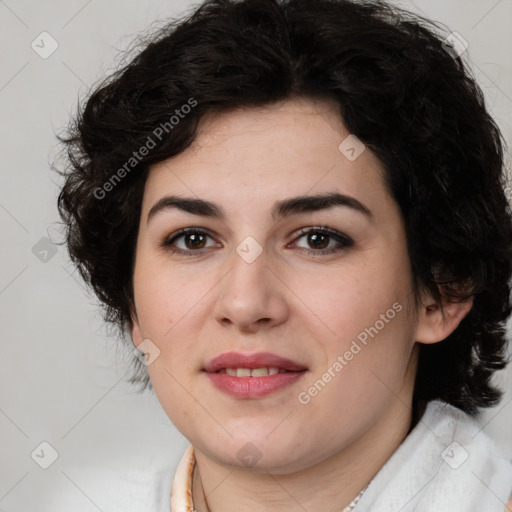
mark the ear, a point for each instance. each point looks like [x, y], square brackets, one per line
[135, 328]
[436, 323]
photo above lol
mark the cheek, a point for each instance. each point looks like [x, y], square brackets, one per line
[365, 362]
[367, 319]
[168, 304]
[164, 297]
[355, 298]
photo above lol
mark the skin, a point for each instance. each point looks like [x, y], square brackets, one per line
[304, 306]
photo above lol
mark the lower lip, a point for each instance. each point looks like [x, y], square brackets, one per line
[253, 387]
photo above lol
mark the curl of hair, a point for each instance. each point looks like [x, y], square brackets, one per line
[399, 90]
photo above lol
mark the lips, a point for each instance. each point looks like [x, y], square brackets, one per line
[252, 361]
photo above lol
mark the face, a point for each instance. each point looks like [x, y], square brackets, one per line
[327, 285]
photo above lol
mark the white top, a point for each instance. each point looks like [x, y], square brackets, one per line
[446, 464]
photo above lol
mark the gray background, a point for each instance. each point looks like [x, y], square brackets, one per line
[62, 378]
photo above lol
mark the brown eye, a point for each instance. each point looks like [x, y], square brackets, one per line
[194, 240]
[318, 240]
[188, 241]
[324, 240]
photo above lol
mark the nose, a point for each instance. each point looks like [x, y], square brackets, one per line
[252, 297]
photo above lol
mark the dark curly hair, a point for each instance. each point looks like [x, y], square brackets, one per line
[401, 89]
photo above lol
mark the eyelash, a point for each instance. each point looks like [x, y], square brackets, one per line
[341, 238]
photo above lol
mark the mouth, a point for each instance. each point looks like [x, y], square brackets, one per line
[252, 376]
[260, 364]
[254, 372]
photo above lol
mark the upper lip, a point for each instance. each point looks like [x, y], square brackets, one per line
[258, 360]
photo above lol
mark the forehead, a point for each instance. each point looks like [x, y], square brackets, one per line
[255, 156]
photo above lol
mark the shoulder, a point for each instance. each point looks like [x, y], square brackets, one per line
[464, 433]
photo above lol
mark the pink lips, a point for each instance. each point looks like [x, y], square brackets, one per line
[258, 360]
[252, 387]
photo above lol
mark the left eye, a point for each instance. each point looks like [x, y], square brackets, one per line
[325, 240]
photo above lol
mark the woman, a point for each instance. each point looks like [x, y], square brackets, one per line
[295, 210]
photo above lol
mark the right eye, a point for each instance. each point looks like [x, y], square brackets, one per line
[187, 241]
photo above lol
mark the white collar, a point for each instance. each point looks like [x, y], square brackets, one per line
[415, 462]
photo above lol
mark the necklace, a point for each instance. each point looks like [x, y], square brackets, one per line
[353, 503]
[348, 508]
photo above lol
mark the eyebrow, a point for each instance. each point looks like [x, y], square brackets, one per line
[281, 209]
